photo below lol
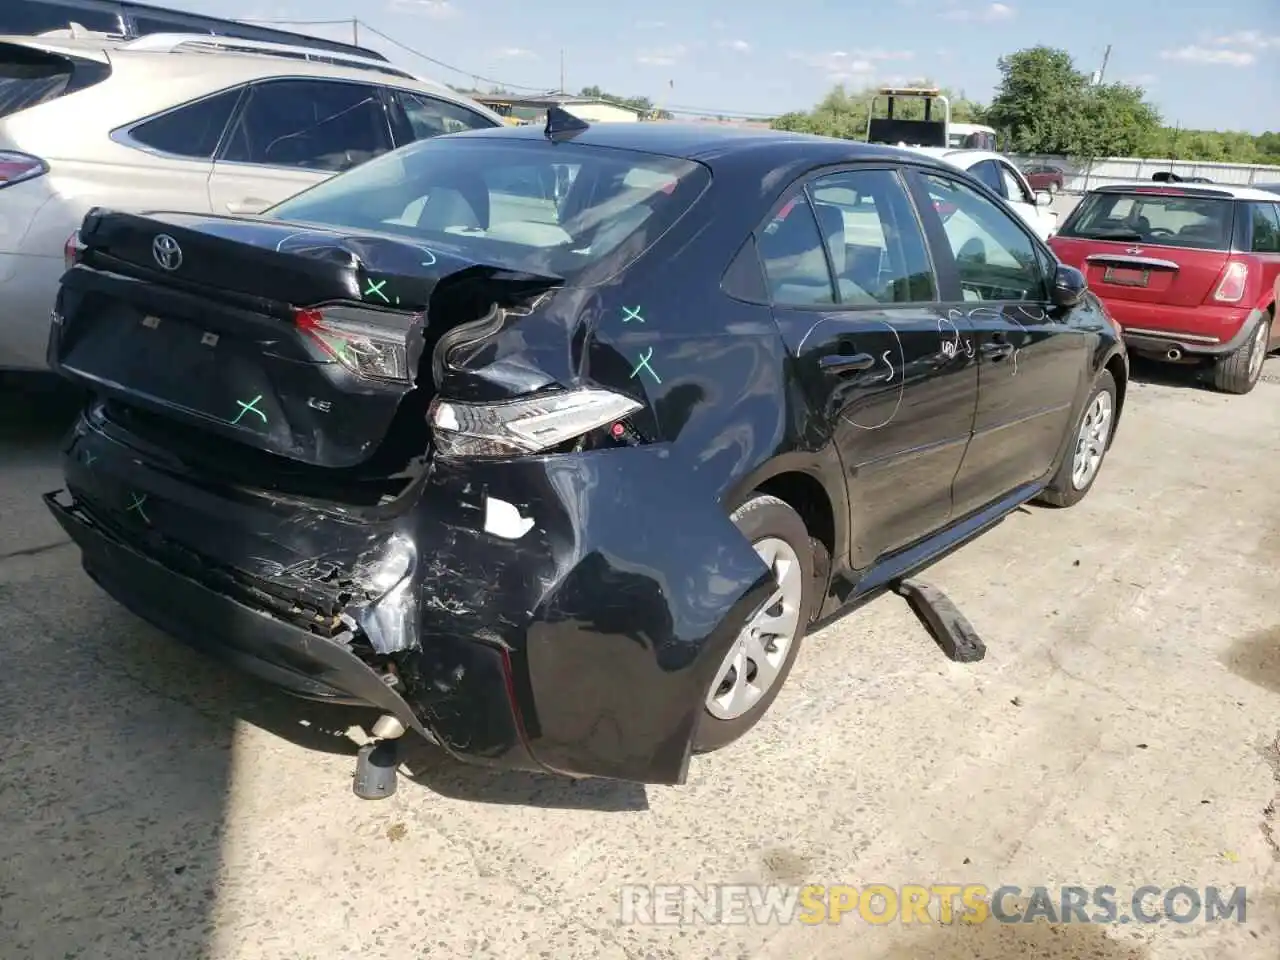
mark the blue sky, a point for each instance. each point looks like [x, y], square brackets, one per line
[1204, 66]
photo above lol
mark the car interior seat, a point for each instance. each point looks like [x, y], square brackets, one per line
[831, 224]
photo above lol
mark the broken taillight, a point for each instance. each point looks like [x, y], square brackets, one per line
[1232, 285]
[71, 250]
[525, 425]
[377, 351]
[16, 167]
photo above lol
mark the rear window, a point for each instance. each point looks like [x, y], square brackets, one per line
[30, 77]
[551, 209]
[1164, 219]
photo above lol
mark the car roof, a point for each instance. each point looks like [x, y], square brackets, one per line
[956, 155]
[706, 142]
[192, 65]
[1183, 188]
[232, 59]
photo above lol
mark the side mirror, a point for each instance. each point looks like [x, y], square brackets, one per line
[1044, 199]
[1069, 286]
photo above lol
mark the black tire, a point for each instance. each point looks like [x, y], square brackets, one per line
[1233, 373]
[759, 518]
[1062, 491]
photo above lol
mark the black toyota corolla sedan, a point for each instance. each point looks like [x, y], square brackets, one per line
[550, 444]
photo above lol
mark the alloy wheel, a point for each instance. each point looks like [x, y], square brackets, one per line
[1091, 442]
[755, 661]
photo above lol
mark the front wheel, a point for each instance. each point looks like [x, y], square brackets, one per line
[756, 666]
[1083, 461]
[1239, 371]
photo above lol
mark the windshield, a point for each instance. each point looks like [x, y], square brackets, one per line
[550, 209]
[1165, 219]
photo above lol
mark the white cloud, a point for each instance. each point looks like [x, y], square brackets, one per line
[740, 46]
[661, 56]
[514, 53]
[433, 9]
[843, 65]
[650, 24]
[1219, 56]
[1249, 39]
[992, 13]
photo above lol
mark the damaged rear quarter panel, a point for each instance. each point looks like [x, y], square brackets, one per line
[619, 615]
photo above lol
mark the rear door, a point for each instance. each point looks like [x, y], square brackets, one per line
[1150, 244]
[1030, 365]
[291, 134]
[855, 294]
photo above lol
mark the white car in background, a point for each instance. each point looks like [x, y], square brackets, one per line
[180, 122]
[998, 172]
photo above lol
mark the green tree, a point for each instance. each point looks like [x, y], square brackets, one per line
[1115, 121]
[1039, 105]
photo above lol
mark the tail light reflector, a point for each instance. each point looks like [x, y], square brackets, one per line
[1231, 286]
[376, 351]
[16, 167]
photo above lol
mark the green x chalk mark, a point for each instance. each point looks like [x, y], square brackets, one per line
[377, 288]
[631, 313]
[137, 503]
[643, 364]
[250, 407]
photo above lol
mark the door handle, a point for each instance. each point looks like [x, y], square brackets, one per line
[997, 351]
[247, 205]
[847, 362]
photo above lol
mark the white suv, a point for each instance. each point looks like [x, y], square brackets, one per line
[178, 122]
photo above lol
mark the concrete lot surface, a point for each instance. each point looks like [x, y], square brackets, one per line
[1122, 731]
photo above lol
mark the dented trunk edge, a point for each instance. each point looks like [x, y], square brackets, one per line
[563, 613]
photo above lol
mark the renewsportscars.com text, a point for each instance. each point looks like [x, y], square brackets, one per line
[881, 904]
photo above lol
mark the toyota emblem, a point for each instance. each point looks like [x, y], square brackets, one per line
[166, 251]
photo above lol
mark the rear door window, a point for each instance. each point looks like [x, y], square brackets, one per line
[30, 77]
[1266, 228]
[876, 246]
[310, 124]
[1164, 218]
[192, 130]
[418, 117]
[794, 257]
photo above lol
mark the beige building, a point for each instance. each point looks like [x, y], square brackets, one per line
[534, 109]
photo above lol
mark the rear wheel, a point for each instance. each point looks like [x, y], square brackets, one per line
[1083, 461]
[1240, 370]
[755, 668]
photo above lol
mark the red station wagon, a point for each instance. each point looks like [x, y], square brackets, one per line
[1189, 271]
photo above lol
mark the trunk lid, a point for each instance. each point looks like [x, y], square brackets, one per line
[1149, 245]
[299, 342]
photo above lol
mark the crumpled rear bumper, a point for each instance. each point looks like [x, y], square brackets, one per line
[580, 641]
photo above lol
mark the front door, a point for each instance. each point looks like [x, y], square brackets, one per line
[292, 134]
[855, 295]
[1030, 364]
